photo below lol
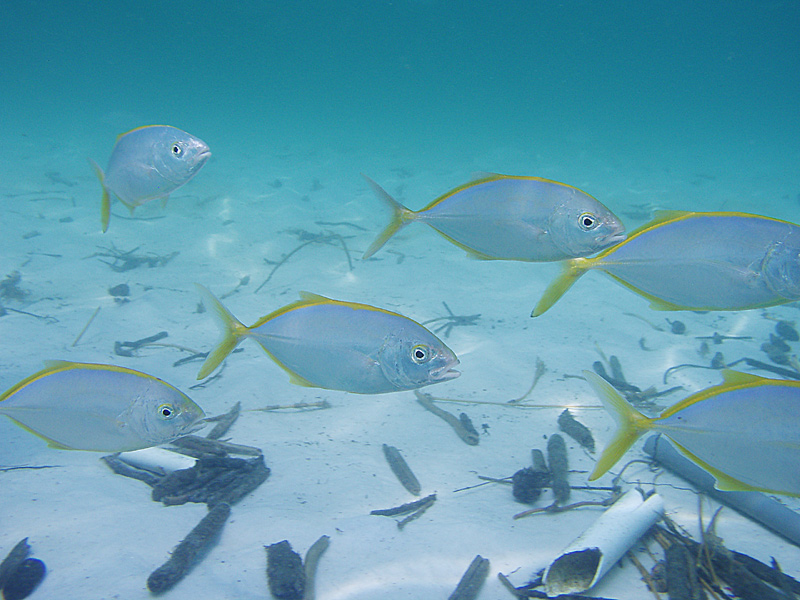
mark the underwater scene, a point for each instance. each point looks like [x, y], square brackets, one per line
[402, 299]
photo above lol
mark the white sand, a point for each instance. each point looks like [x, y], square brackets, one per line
[101, 535]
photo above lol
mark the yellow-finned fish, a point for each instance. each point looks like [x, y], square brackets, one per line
[147, 163]
[504, 217]
[83, 406]
[339, 345]
[744, 431]
[698, 261]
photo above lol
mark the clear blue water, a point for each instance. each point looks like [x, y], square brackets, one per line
[660, 104]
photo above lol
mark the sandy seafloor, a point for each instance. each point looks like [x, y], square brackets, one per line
[101, 535]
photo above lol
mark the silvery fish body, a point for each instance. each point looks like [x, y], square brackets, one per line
[699, 261]
[743, 431]
[80, 406]
[340, 345]
[148, 163]
[503, 217]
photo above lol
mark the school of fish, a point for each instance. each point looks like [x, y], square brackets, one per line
[737, 431]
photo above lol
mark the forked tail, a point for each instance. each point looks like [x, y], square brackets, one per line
[400, 217]
[232, 332]
[631, 424]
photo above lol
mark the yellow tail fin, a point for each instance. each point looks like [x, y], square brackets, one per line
[573, 269]
[400, 217]
[232, 332]
[630, 423]
[105, 202]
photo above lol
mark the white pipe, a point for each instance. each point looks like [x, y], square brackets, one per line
[157, 460]
[581, 564]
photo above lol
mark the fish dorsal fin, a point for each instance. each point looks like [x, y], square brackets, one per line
[737, 378]
[52, 365]
[476, 176]
[312, 297]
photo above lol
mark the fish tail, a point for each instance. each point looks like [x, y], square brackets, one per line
[631, 424]
[572, 270]
[400, 217]
[105, 202]
[232, 332]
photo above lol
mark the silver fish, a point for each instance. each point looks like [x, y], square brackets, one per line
[339, 345]
[82, 406]
[743, 431]
[698, 261]
[147, 163]
[503, 217]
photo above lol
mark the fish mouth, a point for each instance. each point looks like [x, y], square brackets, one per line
[446, 372]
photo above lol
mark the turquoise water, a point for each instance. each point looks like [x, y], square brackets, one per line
[644, 105]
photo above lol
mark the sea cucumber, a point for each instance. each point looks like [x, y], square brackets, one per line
[190, 550]
[401, 469]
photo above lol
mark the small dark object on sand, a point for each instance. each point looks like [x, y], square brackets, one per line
[121, 290]
[401, 469]
[683, 582]
[471, 582]
[285, 573]
[576, 430]
[527, 484]
[557, 459]
[190, 551]
[212, 480]
[786, 330]
[24, 579]
[677, 327]
[14, 559]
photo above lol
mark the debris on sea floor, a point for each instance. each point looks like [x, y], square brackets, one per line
[127, 260]
[401, 469]
[414, 510]
[576, 430]
[289, 577]
[190, 551]
[20, 574]
[452, 320]
[633, 394]
[462, 425]
[471, 582]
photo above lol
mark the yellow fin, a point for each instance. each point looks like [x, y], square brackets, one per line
[296, 379]
[572, 270]
[400, 217]
[232, 332]
[630, 424]
[105, 201]
[737, 378]
[312, 297]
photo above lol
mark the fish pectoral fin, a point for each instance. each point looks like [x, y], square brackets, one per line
[297, 379]
[105, 201]
[572, 270]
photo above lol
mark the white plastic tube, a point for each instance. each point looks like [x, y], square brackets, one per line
[581, 564]
[157, 460]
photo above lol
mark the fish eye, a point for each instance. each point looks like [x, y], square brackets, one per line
[587, 221]
[177, 150]
[420, 354]
[166, 411]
